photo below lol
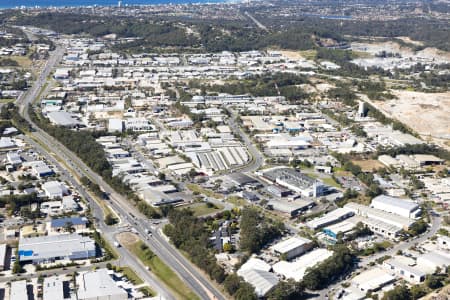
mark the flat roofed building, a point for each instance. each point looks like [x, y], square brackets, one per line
[372, 280]
[380, 215]
[3, 255]
[401, 207]
[19, 290]
[7, 144]
[388, 161]
[53, 288]
[242, 179]
[292, 247]
[334, 230]
[14, 158]
[262, 281]
[51, 248]
[63, 118]
[115, 125]
[443, 242]
[254, 263]
[39, 168]
[297, 269]
[334, 216]
[427, 159]
[98, 285]
[291, 207]
[295, 181]
[400, 266]
[78, 223]
[54, 189]
[407, 161]
[432, 260]
[377, 226]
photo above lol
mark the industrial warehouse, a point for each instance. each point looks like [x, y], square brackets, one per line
[57, 247]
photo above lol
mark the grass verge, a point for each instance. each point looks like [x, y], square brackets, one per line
[162, 271]
[201, 209]
[147, 291]
[131, 275]
[196, 189]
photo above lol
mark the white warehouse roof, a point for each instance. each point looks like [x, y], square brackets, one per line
[98, 285]
[297, 269]
[254, 264]
[262, 281]
[290, 244]
[330, 218]
[395, 202]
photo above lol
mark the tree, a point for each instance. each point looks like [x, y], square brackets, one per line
[232, 283]
[340, 263]
[417, 291]
[245, 292]
[68, 227]
[110, 220]
[433, 281]
[17, 267]
[287, 290]
[400, 292]
[227, 247]
[162, 176]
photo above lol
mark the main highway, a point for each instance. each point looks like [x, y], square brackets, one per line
[194, 278]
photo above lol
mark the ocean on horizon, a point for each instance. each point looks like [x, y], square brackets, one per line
[70, 3]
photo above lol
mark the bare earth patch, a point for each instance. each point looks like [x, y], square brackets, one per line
[127, 239]
[368, 165]
[426, 113]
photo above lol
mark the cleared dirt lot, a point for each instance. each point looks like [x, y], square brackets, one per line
[127, 239]
[426, 113]
[368, 165]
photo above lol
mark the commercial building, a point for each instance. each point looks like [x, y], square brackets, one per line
[429, 262]
[39, 168]
[14, 159]
[19, 290]
[3, 255]
[379, 221]
[295, 181]
[54, 189]
[330, 218]
[98, 284]
[405, 268]
[243, 180]
[254, 263]
[53, 288]
[278, 191]
[291, 207]
[401, 207]
[372, 280]
[56, 247]
[297, 269]
[427, 159]
[262, 281]
[63, 118]
[443, 242]
[78, 223]
[292, 247]
[344, 227]
[7, 144]
[115, 125]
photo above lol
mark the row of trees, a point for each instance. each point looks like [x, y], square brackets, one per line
[283, 84]
[374, 188]
[257, 231]
[330, 270]
[10, 112]
[415, 149]
[189, 234]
